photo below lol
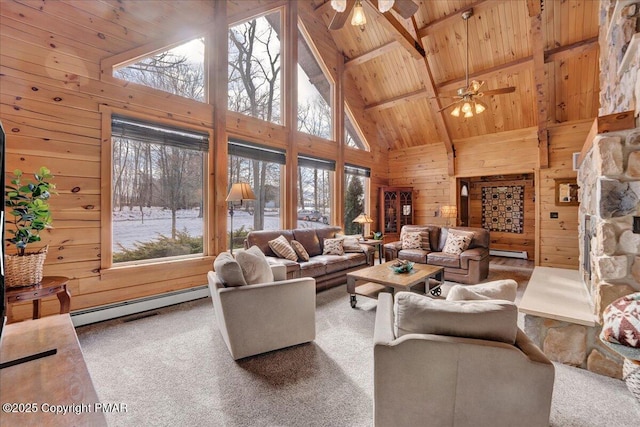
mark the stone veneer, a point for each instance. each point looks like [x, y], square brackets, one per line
[609, 180]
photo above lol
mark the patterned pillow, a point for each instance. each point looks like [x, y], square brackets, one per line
[351, 242]
[621, 326]
[457, 243]
[283, 249]
[412, 240]
[300, 250]
[333, 247]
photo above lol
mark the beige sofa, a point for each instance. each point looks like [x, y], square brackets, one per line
[448, 380]
[471, 266]
[328, 270]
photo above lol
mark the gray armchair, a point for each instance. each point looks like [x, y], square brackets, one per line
[254, 319]
[426, 379]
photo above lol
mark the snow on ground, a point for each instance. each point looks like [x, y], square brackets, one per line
[130, 226]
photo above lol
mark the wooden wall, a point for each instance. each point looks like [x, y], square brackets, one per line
[516, 152]
[51, 98]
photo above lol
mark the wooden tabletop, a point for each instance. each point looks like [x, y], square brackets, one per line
[29, 392]
[386, 276]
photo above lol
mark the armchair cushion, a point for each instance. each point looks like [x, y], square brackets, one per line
[281, 247]
[493, 320]
[228, 270]
[254, 265]
[497, 290]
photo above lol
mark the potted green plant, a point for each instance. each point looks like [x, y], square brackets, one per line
[27, 215]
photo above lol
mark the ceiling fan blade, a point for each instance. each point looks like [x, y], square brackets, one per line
[499, 91]
[405, 8]
[445, 96]
[444, 108]
[339, 18]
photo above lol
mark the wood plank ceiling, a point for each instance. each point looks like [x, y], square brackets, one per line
[395, 85]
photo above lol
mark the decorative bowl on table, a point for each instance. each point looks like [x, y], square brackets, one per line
[402, 266]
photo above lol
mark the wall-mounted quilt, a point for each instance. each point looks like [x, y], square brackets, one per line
[503, 208]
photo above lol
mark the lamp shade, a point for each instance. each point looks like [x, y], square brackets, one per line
[363, 218]
[240, 191]
[358, 18]
[464, 191]
[449, 211]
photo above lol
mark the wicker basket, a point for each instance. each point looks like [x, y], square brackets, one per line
[631, 375]
[24, 270]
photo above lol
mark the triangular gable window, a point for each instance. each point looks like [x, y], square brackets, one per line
[179, 70]
[352, 134]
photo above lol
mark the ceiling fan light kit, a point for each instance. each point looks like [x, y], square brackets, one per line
[385, 5]
[339, 5]
[466, 99]
[358, 19]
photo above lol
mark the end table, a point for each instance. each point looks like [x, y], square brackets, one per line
[50, 285]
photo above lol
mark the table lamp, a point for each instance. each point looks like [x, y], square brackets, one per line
[239, 192]
[363, 219]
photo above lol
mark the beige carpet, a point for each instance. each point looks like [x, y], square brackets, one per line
[173, 369]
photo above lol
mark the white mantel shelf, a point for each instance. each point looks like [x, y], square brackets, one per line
[558, 293]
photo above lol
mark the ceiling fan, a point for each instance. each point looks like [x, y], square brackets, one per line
[404, 8]
[466, 98]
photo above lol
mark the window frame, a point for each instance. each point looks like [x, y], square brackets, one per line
[366, 190]
[106, 193]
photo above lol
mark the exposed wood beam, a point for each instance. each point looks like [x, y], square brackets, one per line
[390, 103]
[372, 54]
[251, 11]
[400, 33]
[603, 124]
[562, 52]
[518, 64]
[436, 24]
[434, 103]
[541, 89]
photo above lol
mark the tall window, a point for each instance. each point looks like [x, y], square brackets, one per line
[355, 200]
[315, 189]
[261, 167]
[158, 187]
[254, 68]
[314, 93]
[179, 71]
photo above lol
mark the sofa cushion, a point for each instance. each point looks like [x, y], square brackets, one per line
[228, 270]
[505, 289]
[313, 268]
[335, 263]
[443, 259]
[333, 247]
[415, 255]
[457, 242]
[351, 242]
[493, 320]
[412, 240]
[281, 247]
[428, 233]
[254, 265]
[260, 238]
[309, 240]
[300, 250]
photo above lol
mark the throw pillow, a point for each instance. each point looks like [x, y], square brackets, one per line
[412, 240]
[333, 247]
[498, 289]
[300, 250]
[457, 242]
[493, 320]
[228, 270]
[281, 247]
[254, 265]
[351, 242]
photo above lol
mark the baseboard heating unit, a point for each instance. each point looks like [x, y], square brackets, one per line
[510, 254]
[126, 308]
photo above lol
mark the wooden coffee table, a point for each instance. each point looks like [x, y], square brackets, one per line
[381, 278]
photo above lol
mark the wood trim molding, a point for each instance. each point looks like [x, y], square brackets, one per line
[603, 124]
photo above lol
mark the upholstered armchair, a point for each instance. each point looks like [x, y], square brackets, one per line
[489, 375]
[256, 318]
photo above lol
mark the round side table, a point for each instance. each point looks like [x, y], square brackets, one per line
[50, 285]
